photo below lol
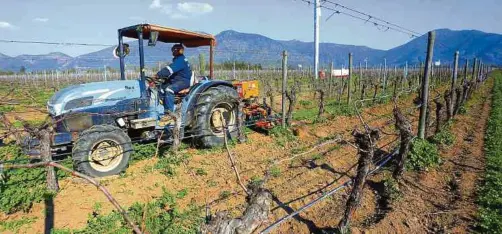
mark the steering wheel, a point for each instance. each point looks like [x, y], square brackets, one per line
[150, 79]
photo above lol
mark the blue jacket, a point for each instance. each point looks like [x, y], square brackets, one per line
[178, 71]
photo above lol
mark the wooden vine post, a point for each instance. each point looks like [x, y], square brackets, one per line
[349, 94]
[284, 86]
[453, 85]
[366, 143]
[425, 86]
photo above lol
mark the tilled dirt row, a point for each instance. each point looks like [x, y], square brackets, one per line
[442, 200]
[298, 182]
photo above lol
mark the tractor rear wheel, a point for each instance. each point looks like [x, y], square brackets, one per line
[102, 150]
[208, 127]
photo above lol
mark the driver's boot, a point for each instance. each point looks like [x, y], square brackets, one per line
[167, 119]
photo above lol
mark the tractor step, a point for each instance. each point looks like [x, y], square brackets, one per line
[143, 123]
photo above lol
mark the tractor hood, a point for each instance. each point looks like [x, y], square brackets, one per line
[78, 98]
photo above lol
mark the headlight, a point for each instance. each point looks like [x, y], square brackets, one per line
[78, 103]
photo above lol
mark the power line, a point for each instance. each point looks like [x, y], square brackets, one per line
[371, 17]
[387, 26]
[52, 43]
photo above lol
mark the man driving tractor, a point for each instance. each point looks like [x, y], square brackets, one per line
[177, 78]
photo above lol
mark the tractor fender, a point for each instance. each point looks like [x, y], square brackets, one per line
[192, 98]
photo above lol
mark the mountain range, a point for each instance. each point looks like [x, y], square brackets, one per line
[259, 49]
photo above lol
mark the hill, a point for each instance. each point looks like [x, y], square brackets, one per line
[259, 49]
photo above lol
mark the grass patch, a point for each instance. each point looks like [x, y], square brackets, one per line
[490, 194]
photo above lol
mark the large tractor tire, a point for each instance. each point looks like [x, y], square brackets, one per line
[102, 150]
[207, 130]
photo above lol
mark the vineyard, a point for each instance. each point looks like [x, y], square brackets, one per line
[384, 150]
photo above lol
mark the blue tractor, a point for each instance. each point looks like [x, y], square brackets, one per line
[99, 122]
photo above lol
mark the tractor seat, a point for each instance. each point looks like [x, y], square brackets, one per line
[181, 94]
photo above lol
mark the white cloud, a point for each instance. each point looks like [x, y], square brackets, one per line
[164, 8]
[183, 10]
[167, 9]
[195, 7]
[42, 20]
[4, 24]
[155, 4]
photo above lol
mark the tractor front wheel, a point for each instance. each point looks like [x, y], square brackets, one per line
[212, 104]
[102, 150]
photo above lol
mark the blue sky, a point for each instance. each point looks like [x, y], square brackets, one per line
[96, 21]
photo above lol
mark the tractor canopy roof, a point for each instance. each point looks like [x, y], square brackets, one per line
[170, 35]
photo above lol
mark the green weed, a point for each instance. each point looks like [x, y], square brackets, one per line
[20, 188]
[200, 172]
[490, 194]
[6, 108]
[212, 183]
[225, 194]
[143, 151]
[255, 181]
[15, 225]
[275, 171]
[445, 137]
[305, 102]
[423, 155]
[168, 164]
[391, 189]
[282, 135]
[160, 216]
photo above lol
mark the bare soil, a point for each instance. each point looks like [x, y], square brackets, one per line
[427, 203]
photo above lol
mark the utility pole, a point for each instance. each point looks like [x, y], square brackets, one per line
[384, 75]
[455, 72]
[425, 85]
[350, 79]
[317, 14]
[105, 72]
